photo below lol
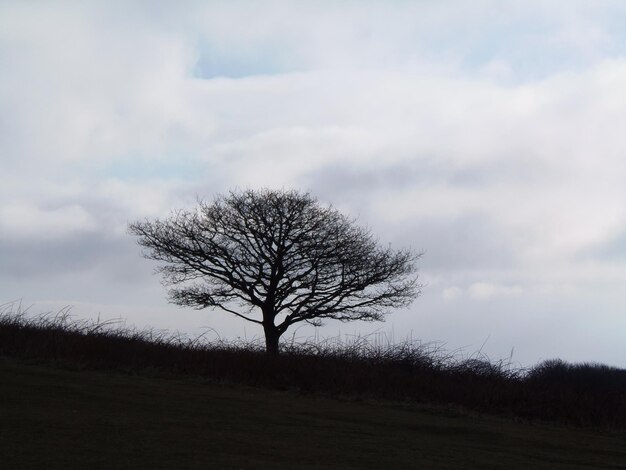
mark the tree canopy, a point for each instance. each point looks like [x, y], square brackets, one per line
[276, 258]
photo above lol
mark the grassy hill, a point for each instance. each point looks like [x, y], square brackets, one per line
[58, 419]
[85, 395]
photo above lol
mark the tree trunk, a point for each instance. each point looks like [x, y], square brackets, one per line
[271, 339]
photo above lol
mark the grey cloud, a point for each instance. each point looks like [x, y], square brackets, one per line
[468, 242]
[340, 180]
[52, 258]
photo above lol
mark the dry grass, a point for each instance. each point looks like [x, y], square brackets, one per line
[591, 395]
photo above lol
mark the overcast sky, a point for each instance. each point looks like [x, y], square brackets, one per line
[488, 134]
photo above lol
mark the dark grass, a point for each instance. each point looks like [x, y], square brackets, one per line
[54, 418]
[587, 395]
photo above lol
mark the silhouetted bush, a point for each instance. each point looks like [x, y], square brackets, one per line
[361, 367]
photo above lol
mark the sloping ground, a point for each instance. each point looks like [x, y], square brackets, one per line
[61, 419]
[583, 394]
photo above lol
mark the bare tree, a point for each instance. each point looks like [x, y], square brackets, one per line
[279, 254]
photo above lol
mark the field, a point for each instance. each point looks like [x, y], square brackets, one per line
[53, 418]
[76, 394]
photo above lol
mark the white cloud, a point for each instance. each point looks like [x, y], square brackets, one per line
[481, 291]
[21, 221]
[486, 291]
[452, 293]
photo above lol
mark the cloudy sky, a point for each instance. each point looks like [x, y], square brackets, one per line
[488, 134]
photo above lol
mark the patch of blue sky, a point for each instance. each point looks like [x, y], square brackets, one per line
[531, 51]
[615, 27]
[266, 58]
[174, 167]
[613, 250]
[532, 46]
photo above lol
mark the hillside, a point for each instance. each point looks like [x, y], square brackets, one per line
[58, 418]
[587, 395]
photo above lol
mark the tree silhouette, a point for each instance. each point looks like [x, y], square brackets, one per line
[276, 258]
